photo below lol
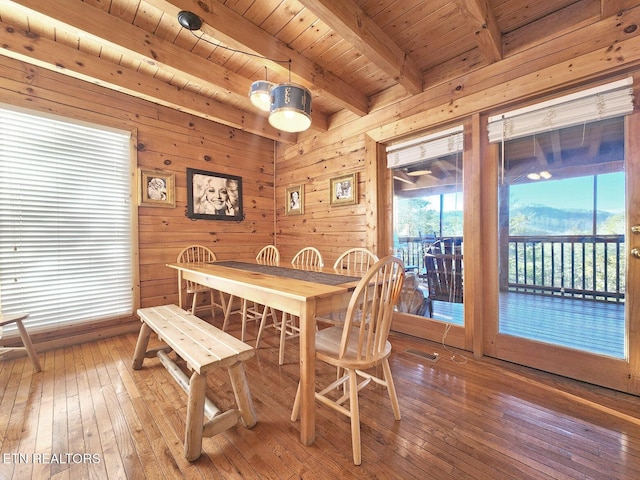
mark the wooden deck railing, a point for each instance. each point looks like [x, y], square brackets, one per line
[580, 266]
[590, 267]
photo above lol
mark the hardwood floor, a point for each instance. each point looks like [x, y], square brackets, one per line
[90, 415]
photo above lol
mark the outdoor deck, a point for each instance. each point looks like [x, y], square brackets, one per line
[586, 325]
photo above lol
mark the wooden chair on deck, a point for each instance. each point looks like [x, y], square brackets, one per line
[358, 347]
[198, 254]
[308, 257]
[268, 255]
[443, 265]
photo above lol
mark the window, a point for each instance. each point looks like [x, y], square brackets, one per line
[66, 249]
[428, 215]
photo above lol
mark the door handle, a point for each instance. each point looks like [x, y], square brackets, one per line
[635, 252]
[635, 229]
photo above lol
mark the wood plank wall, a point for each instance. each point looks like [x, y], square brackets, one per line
[171, 141]
[181, 140]
[331, 229]
[574, 60]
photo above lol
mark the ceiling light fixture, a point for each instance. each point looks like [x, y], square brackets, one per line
[418, 172]
[260, 94]
[289, 104]
[539, 175]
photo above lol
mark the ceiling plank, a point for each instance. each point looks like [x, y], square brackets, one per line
[151, 49]
[237, 32]
[27, 47]
[609, 8]
[350, 21]
[480, 18]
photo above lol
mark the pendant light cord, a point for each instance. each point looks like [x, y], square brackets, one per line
[202, 37]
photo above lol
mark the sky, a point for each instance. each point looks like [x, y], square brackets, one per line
[573, 193]
[570, 194]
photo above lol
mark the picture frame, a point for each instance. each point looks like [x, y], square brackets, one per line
[156, 188]
[214, 196]
[343, 190]
[294, 200]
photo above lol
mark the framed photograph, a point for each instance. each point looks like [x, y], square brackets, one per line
[294, 200]
[156, 188]
[343, 190]
[214, 196]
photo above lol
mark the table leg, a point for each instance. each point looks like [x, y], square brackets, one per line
[243, 394]
[307, 373]
[141, 346]
[195, 417]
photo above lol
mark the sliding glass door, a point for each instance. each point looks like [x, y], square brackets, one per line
[561, 238]
[565, 278]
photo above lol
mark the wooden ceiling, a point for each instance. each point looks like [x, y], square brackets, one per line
[354, 55]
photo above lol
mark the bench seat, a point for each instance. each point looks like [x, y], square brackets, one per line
[204, 348]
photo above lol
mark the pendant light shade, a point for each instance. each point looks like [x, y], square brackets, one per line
[260, 94]
[289, 104]
[290, 108]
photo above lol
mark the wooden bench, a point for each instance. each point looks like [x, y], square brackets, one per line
[204, 348]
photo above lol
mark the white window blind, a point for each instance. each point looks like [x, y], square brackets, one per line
[426, 147]
[65, 221]
[607, 101]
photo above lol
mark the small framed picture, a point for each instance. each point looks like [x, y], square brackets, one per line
[294, 200]
[343, 190]
[156, 188]
[214, 196]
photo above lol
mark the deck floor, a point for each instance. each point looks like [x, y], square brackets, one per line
[596, 327]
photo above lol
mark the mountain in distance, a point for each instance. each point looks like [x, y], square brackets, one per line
[545, 220]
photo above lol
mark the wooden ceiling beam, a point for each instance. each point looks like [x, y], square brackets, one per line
[235, 31]
[353, 24]
[152, 50]
[32, 49]
[480, 18]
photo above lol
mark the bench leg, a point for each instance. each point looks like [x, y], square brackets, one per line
[195, 417]
[243, 395]
[141, 346]
[26, 341]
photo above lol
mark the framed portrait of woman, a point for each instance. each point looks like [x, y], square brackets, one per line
[156, 188]
[294, 200]
[214, 196]
[343, 190]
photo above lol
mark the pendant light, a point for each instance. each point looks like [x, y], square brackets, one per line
[260, 93]
[290, 108]
[289, 104]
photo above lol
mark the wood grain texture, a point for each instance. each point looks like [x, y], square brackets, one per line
[481, 419]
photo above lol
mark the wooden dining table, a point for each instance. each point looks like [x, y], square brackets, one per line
[306, 293]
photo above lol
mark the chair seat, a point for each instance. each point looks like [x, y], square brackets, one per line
[328, 345]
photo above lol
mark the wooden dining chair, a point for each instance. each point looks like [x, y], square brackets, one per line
[17, 318]
[288, 325]
[199, 254]
[356, 260]
[308, 257]
[252, 311]
[357, 347]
